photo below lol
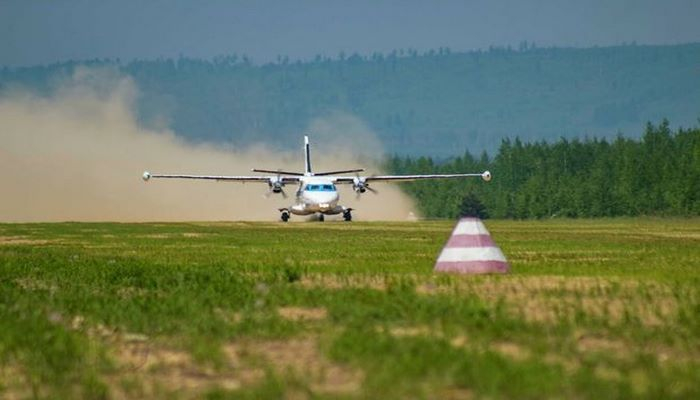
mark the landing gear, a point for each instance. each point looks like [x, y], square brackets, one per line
[321, 218]
[284, 216]
[347, 216]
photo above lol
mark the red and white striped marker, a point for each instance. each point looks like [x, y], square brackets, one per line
[471, 250]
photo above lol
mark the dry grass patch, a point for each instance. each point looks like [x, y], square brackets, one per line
[459, 341]
[146, 368]
[228, 316]
[411, 331]
[192, 234]
[455, 394]
[157, 236]
[615, 312]
[430, 288]
[511, 350]
[160, 370]
[597, 344]
[33, 284]
[550, 299]
[14, 384]
[302, 359]
[320, 261]
[607, 373]
[302, 314]
[494, 287]
[327, 281]
[16, 240]
[569, 364]
[537, 284]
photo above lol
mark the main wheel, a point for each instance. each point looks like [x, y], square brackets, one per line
[321, 218]
[285, 216]
[347, 216]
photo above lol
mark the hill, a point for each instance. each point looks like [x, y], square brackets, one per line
[439, 103]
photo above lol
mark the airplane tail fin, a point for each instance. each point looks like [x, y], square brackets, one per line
[307, 157]
[307, 164]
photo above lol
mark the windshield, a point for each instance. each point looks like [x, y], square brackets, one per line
[320, 188]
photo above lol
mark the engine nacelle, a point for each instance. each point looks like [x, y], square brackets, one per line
[146, 176]
[359, 184]
[486, 176]
[276, 185]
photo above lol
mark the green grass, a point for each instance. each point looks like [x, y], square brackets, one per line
[602, 308]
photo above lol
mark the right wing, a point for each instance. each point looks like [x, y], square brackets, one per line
[408, 178]
[486, 176]
[285, 179]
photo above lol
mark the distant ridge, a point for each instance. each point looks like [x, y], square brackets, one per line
[437, 103]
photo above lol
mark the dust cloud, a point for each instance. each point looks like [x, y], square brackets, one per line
[78, 155]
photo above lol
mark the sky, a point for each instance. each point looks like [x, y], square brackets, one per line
[41, 32]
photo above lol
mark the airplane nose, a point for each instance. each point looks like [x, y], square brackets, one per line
[327, 197]
[330, 198]
[326, 201]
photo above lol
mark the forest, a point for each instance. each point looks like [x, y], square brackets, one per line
[658, 174]
[561, 129]
[437, 103]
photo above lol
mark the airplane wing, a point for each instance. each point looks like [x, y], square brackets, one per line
[230, 178]
[486, 175]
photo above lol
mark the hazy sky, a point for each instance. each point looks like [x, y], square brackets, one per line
[35, 32]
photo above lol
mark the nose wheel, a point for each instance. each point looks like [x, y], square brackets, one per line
[321, 218]
[284, 216]
[347, 216]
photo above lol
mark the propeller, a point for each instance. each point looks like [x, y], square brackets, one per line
[276, 186]
[360, 185]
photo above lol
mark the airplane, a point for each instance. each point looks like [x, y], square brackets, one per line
[316, 192]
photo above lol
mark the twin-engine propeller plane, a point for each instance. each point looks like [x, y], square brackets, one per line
[316, 192]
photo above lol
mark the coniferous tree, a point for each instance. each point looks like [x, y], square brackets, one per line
[658, 174]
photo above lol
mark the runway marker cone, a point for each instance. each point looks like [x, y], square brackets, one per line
[470, 250]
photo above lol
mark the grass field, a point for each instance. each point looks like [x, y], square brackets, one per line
[592, 309]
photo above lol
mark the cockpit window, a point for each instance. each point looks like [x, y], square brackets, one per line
[320, 188]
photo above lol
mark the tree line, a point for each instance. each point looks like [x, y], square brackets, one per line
[427, 103]
[657, 174]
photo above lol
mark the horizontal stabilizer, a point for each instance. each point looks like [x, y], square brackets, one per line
[344, 171]
[278, 172]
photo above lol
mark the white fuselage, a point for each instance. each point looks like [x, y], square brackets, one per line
[316, 195]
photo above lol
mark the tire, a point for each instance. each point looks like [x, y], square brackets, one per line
[321, 218]
[347, 216]
[285, 216]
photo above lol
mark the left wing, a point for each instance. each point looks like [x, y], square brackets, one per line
[285, 179]
[486, 175]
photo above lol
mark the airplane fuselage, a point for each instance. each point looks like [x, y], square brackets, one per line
[316, 195]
